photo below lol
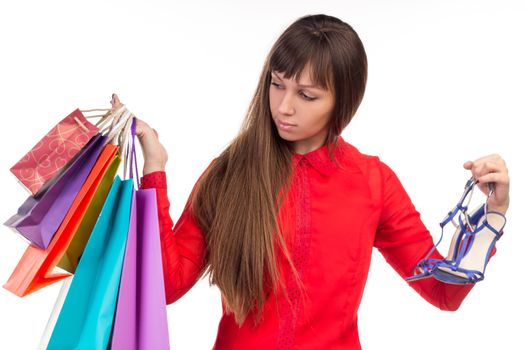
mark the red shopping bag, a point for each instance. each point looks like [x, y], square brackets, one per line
[53, 151]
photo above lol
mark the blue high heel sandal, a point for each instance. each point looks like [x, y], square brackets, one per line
[471, 244]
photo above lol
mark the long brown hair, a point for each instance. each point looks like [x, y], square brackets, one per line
[237, 199]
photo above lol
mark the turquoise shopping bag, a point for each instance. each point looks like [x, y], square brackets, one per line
[86, 318]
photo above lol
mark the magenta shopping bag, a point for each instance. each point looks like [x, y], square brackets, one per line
[141, 321]
[40, 216]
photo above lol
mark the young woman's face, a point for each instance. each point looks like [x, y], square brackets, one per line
[305, 110]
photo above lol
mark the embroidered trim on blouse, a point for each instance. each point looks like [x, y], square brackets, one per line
[300, 255]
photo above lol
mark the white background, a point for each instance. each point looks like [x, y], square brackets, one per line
[446, 84]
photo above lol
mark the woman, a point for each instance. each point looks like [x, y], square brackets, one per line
[285, 218]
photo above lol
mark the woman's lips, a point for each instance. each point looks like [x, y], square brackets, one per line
[284, 126]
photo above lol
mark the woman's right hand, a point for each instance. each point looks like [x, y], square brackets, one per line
[154, 153]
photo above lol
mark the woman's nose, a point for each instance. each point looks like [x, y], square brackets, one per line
[286, 106]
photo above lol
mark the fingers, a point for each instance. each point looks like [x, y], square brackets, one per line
[492, 169]
[115, 101]
[495, 178]
[485, 165]
[468, 165]
[143, 128]
[494, 158]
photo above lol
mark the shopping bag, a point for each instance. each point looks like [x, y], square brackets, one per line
[39, 217]
[86, 318]
[141, 321]
[54, 151]
[69, 260]
[35, 268]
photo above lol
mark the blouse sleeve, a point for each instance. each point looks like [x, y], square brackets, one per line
[404, 240]
[182, 244]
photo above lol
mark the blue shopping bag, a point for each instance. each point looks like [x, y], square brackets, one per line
[86, 318]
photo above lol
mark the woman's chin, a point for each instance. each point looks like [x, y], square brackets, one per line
[288, 136]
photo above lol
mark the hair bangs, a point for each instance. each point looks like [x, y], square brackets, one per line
[292, 57]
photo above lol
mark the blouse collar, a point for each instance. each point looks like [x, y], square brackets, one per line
[319, 159]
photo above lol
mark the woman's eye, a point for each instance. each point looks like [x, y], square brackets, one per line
[306, 97]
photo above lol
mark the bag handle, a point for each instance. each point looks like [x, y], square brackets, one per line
[124, 142]
[100, 124]
[119, 131]
[117, 127]
[133, 154]
[129, 154]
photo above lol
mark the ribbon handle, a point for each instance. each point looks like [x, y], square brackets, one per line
[133, 154]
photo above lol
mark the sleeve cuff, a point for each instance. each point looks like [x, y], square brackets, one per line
[156, 179]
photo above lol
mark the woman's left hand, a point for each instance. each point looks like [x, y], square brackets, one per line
[493, 169]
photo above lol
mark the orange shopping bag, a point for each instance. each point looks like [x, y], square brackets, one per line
[71, 256]
[35, 268]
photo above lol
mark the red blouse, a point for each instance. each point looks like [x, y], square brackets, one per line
[335, 217]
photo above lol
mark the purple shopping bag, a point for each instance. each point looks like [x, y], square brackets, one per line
[141, 320]
[40, 216]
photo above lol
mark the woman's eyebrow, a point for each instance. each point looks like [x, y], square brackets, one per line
[300, 85]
